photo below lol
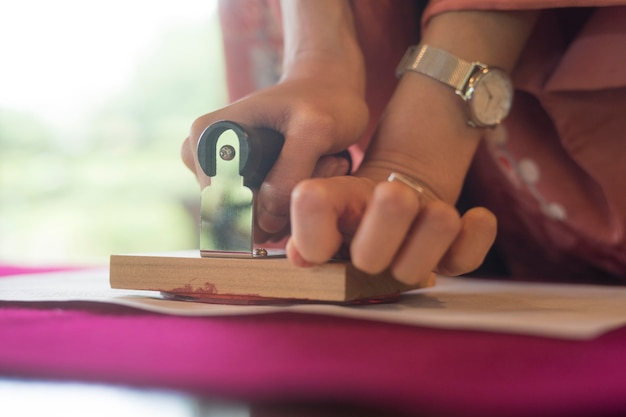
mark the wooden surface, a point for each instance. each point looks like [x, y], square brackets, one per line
[232, 280]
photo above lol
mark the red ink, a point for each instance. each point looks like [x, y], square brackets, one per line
[253, 299]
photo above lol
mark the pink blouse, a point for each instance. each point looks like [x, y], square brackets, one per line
[553, 172]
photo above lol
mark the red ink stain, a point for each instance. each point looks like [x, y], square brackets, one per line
[254, 299]
[208, 289]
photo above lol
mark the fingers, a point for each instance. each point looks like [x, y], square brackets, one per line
[388, 226]
[296, 162]
[310, 113]
[188, 155]
[323, 212]
[397, 232]
[382, 231]
[477, 235]
[435, 229]
[291, 167]
[301, 158]
[331, 166]
[327, 166]
[295, 257]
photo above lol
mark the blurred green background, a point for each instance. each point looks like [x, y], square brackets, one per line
[90, 154]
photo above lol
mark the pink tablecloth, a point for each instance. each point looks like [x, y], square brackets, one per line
[292, 357]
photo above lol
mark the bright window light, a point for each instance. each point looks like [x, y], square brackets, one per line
[96, 98]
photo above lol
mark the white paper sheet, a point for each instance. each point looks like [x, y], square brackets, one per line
[549, 310]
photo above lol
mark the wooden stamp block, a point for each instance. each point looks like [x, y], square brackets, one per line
[254, 280]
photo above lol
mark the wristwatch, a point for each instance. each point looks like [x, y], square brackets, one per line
[487, 91]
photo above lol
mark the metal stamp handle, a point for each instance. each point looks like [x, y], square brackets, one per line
[259, 148]
[237, 159]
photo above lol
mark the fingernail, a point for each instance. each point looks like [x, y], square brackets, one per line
[429, 282]
[294, 256]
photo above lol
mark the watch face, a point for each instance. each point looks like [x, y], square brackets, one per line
[491, 97]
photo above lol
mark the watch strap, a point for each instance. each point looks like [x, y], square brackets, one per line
[438, 64]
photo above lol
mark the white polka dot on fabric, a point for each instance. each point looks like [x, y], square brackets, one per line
[528, 170]
[555, 211]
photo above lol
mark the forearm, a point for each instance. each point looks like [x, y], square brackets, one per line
[426, 133]
[496, 38]
[320, 37]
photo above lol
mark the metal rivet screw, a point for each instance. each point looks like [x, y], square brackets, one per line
[259, 252]
[227, 153]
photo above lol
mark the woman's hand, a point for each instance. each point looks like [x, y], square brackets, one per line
[319, 106]
[310, 111]
[386, 225]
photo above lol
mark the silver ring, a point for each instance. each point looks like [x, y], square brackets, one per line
[394, 176]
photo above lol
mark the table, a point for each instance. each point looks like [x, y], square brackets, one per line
[308, 359]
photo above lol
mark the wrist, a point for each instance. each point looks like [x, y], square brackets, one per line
[320, 40]
[494, 37]
[424, 134]
[486, 91]
[324, 70]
